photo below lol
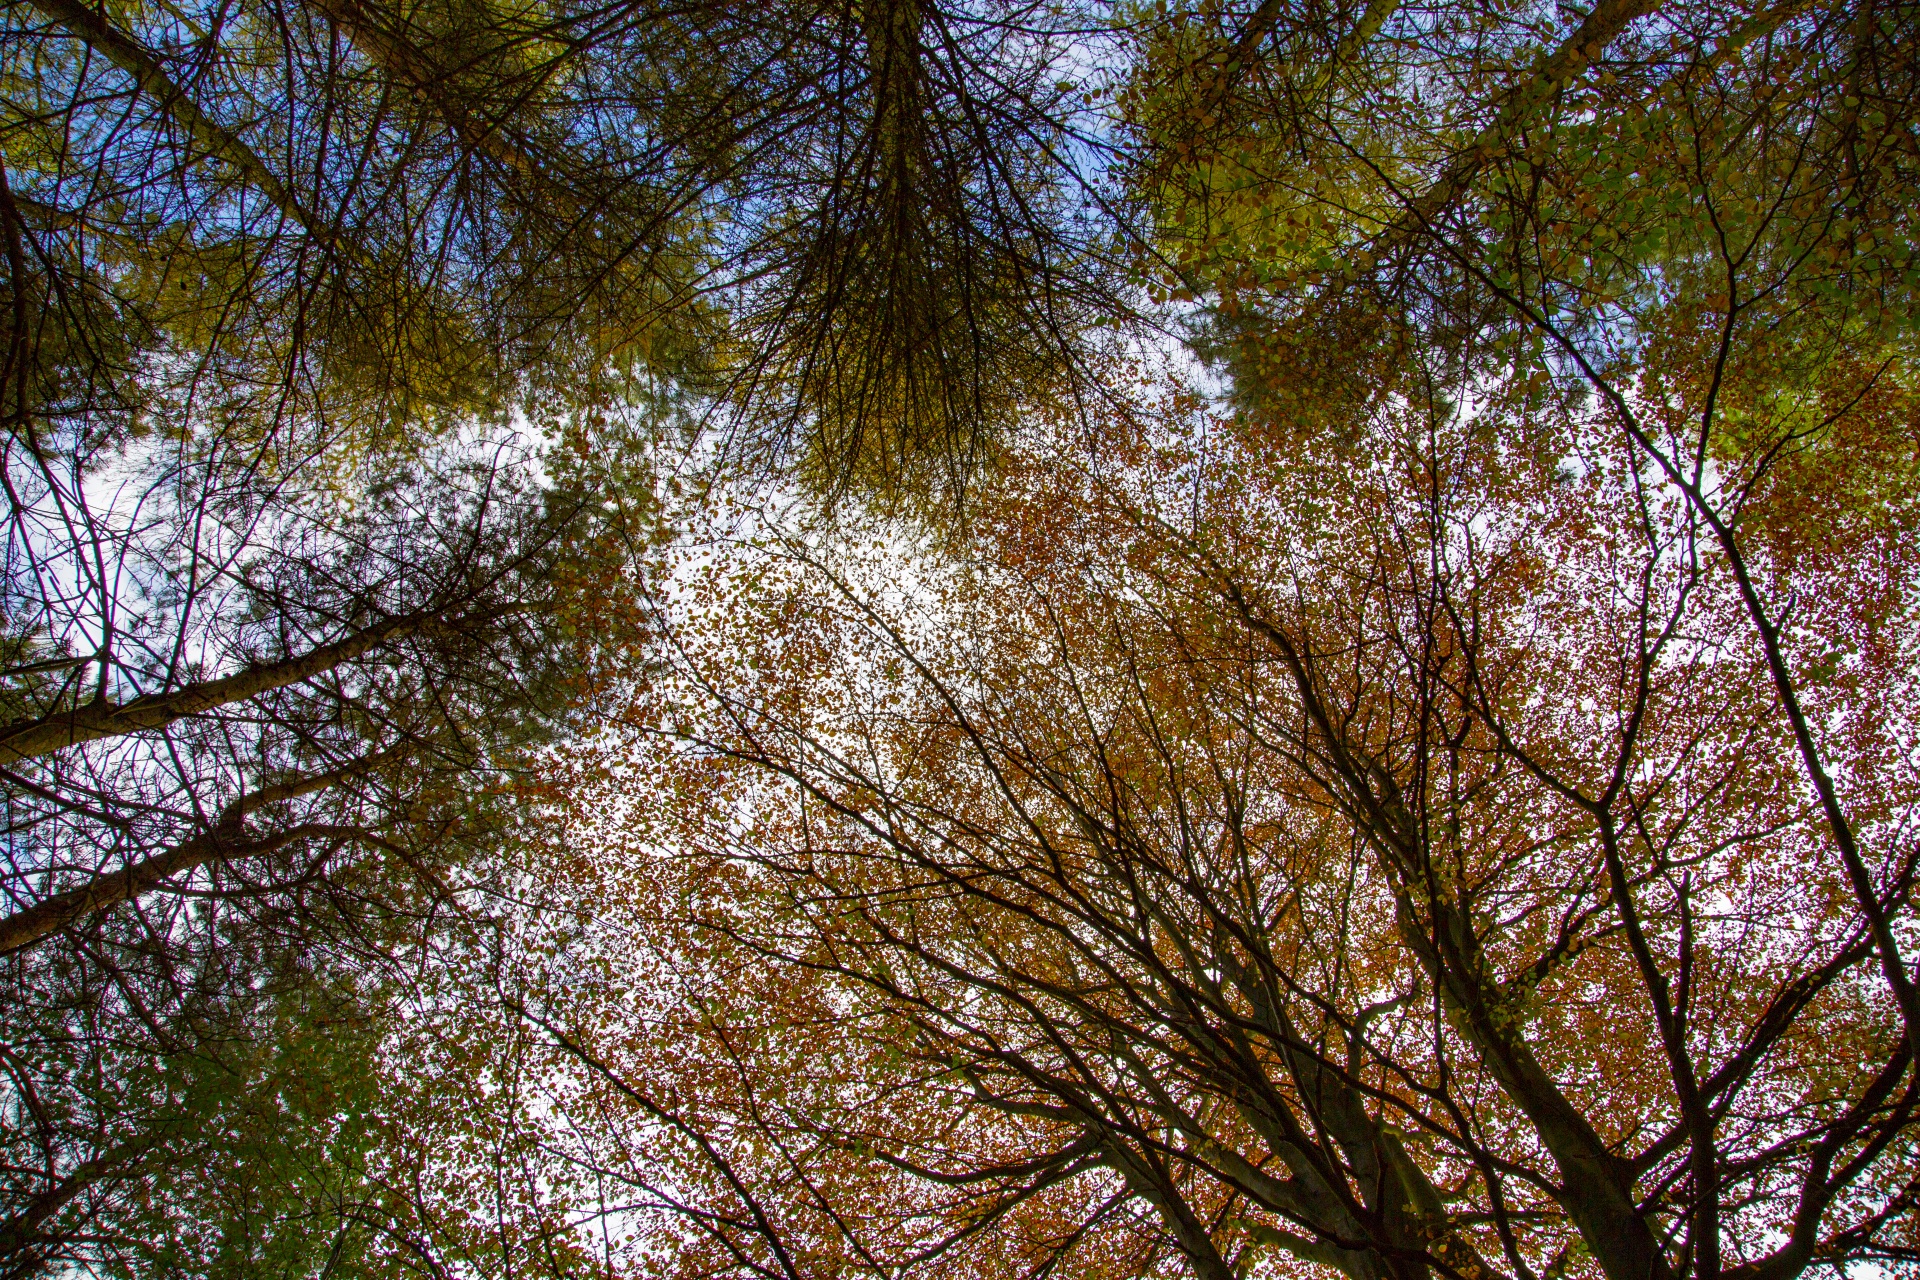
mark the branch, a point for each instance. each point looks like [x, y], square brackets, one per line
[23, 1229]
[215, 137]
[402, 59]
[37, 736]
[1599, 29]
[226, 839]
[1598, 1183]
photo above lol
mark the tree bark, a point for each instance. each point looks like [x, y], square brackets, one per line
[226, 839]
[43, 735]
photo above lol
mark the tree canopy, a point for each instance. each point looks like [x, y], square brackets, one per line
[1178, 638]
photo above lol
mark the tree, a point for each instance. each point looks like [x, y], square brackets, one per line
[1392, 859]
[853, 232]
[263, 263]
[1458, 822]
[264, 771]
[289, 1110]
[1448, 818]
[1697, 220]
[285, 599]
[357, 652]
[206, 1149]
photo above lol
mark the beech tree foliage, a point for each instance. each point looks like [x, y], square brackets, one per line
[1391, 861]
